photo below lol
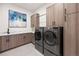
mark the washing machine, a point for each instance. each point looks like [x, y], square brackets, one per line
[53, 41]
[39, 38]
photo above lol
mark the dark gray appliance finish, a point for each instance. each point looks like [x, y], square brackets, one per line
[53, 41]
[39, 37]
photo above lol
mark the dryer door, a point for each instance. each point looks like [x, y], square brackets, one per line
[38, 35]
[50, 38]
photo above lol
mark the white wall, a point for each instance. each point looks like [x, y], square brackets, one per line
[4, 18]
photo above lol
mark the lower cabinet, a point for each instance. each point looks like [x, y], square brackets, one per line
[4, 43]
[33, 39]
[11, 41]
[19, 40]
[29, 37]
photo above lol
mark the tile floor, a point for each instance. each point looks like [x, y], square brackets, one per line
[25, 50]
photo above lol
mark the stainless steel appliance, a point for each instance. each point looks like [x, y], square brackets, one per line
[39, 38]
[53, 41]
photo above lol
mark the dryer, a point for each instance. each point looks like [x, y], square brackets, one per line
[53, 41]
[39, 38]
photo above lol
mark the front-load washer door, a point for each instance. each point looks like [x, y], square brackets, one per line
[50, 38]
[38, 35]
[51, 42]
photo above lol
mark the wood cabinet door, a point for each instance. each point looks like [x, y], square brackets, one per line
[30, 37]
[0, 42]
[77, 7]
[33, 38]
[59, 14]
[50, 21]
[77, 34]
[12, 41]
[55, 15]
[19, 39]
[27, 38]
[4, 43]
[32, 21]
[47, 17]
[35, 20]
[70, 7]
[70, 35]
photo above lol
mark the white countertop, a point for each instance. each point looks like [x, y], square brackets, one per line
[4, 34]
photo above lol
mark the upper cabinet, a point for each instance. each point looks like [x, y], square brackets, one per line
[59, 14]
[55, 15]
[50, 21]
[70, 7]
[35, 20]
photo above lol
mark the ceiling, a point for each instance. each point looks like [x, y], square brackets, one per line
[31, 6]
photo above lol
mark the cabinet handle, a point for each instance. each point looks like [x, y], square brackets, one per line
[24, 37]
[65, 14]
[7, 40]
[32, 25]
[53, 23]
